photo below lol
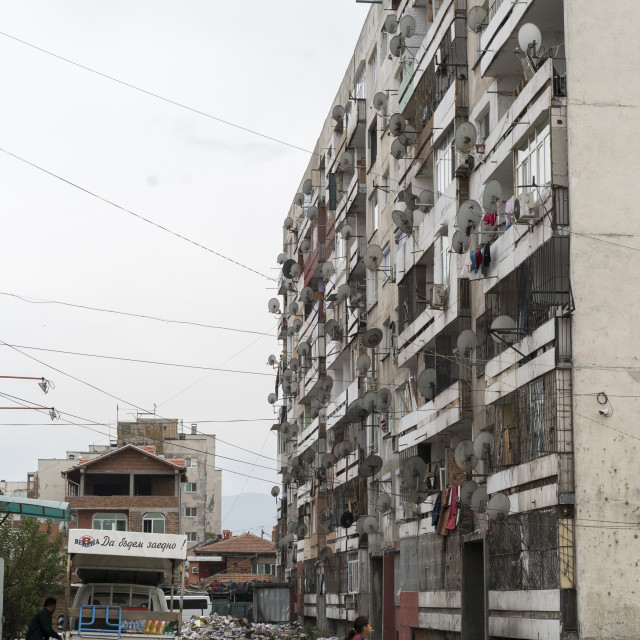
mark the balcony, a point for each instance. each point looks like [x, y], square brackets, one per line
[356, 124]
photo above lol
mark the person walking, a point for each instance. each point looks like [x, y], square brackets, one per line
[40, 627]
[361, 629]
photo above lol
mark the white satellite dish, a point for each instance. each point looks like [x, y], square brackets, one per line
[343, 293]
[398, 150]
[409, 136]
[344, 448]
[504, 329]
[325, 383]
[306, 295]
[492, 196]
[479, 500]
[529, 36]
[380, 101]
[383, 503]
[272, 360]
[301, 530]
[384, 398]
[305, 247]
[288, 223]
[467, 490]
[287, 375]
[407, 26]
[406, 195]
[304, 348]
[287, 387]
[281, 258]
[466, 342]
[396, 124]
[483, 445]
[287, 478]
[363, 363]
[346, 231]
[425, 200]
[476, 19]
[346, 160]
[413, 469]
[369, 401]
[330, 326]
[328, 460]
[309, 455]
[312, 213]
[338, 112]
[275, 490]
[464, 456]
[369, 525]
[293, 308]
[396, 46]
[272, 398]
[373, 257]
[356, 411]
[468, 216]
[427, 383]
[460, 242]
[372, 338]
[294, 430]
[403, 220]
[295, 269]
[327, 270]
[390, 24]
[274, 305]
[498, 506]
[466, 136]
[294, 364]
[296, 325]
[307, 187]
[299, 199]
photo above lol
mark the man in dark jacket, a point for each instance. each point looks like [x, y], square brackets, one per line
[40, 627]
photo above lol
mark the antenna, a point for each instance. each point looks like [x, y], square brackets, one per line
[295, 326]
[383, 400]
[312, 213]
[295, 270]
[343, 293]
[425, 200]
[460, 242]
[476, 19]
[309, 455]
[274, 305]
[346, 232]
[299, 199]
[306, 294]
[468, 216]
[479, 500]
[498, 506]
[305, 246]
[344, 448]
[370, 466]
[503, 329]
[326, 521]
[304, 348]
[372, 338]
[294, 364]
[409, 136]
[407, 26]
[466, 342]
[272, 361]
[328, 460]
[288, 223]
[467, 490]
[427, 383]
[281, 258]
[390, 24]
[338, 112]
[307, 187]
[464, 456]
[403, 220]
[327, 270]
[369, 401]
[396, 124]
[275, 490]
[398, 149]
[492, 196]
[380, 101]
[373, 257]
[383, 502]
[325, 383]
[363, 363]
[346, 160]
[356, 411]
[287, 478]
[396, 46]
[529, 36]
[293, 308]
[466, 136]
[414, 468]
[286, 267]
[483, 445]
[272, 398]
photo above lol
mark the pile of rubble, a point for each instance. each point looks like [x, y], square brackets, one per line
[218, 627]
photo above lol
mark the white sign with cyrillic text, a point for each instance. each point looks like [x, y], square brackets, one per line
[128, 543]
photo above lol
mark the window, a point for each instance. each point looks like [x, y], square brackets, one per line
[373, 142]
[110, 521]
[483, 126]
[191, 487]
[373, 62]
[373, 213]
[372, 288]
[384, 44]
[191, 512]
[191, 463]
[192, 536]
[153, 523]
[195, 569]
[533, 159]
[386, 262]
[264, 569]
[384, 189]
[444, 163]
[352, 573]
[360, 82]
[445, 259]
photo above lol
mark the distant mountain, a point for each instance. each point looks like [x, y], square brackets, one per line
[249, 512]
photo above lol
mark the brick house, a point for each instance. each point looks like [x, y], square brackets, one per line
[127, 489]
[239, 559]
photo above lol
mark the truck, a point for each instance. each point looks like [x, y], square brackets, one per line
[121, 573]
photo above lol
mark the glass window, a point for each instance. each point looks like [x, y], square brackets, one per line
[384, 44]
[445, 260]
[384, 189]
[191, 487]
[110, 521]
[191, 463]
[533, 160]
[153, 523]
[373, 213]
[373, 63]
[386, 262]
[360, 82]
[483, 127]
[192, 536]
[352, 573]
[191, 512]
[444, 163]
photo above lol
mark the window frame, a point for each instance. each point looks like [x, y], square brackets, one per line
[116, 517]
[191, 515]
[157, 517]
[190, 487]
[353, 572]
[443, 170]
[192, 536]
[536, 147]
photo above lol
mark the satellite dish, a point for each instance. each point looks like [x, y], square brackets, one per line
[460, 242]
[272, 398]
[301, 530]
[466, 491]
[369, 401]
[346, 232]
[347, 519]
[298, 474]
[498, 506]
[476, 19]
[299, 199]
[464, 456]
[483, 445]
[328, 460]
[380, 101]
[425, 199]
[293, 308]
[503, 329]
[420, 491]
[396, 46]
[403, 220]
[323, 398]
[479, 500]
[294, 364]
[304, 348]
[325, 554]
[275, 490]
[529, 36]
[287, 478]
[287, 375]
[356, 411]
[373, 257]
[468, 216]
[428, 383]
[383, 503]
[466, 136]
[398, 149]
[288, 223]
[407, 26]
[372, 338]
[291, 526]
[390, 24]
[309, 455]
[295, 270]
[307, 187]
[325, 383]
[363, 363]
[492, 196]
[284, 427]
[296, 325]
[370, 466]
[321, 474]
[305, 246]
[344, 448]
[396, 124]
[274, 305]
[412, 469]
[272, 360]
[306, 295]
[338, 112]
[327, 270]
[383, 400]
[369, 525]
[287, 387]
[346, 160]
[466, 341]
[312, 213]
[409, 136]
[343, 293]
[294, 430]
[281, 258]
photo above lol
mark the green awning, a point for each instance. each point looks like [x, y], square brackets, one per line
[35, 508]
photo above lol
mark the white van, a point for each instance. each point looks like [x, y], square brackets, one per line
[194, 603]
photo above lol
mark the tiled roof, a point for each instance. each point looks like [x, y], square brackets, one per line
[224, 578]
[245, 543]
[177, 463]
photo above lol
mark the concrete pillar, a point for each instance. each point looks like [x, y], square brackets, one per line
[131, 484]
[81, 490]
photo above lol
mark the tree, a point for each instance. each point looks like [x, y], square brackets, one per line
[34, 567]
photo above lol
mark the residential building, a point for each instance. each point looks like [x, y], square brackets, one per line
[458, 378]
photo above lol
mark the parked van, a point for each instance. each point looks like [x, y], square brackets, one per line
[194, 603]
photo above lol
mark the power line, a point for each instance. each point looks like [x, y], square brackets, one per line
[135, 215]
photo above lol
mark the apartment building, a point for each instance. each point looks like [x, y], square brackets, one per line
[459, 373]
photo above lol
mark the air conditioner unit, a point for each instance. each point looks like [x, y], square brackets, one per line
[439, 295]
[524, 209]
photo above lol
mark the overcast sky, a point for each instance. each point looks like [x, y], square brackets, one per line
[271, 67]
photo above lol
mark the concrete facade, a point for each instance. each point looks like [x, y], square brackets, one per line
[532, 133]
